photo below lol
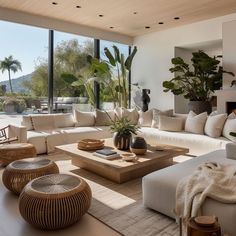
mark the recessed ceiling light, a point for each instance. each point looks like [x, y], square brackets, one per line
[147, 27]
[100, 15]
[78, 6]
[111, 27]
[160, 23]
[135, 13]
[176, 18]
[54, 3]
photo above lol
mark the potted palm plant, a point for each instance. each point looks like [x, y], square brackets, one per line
[197, 84]
[123, 130]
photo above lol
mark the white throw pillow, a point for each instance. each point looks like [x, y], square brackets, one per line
[230, 126]
[103, 118]
[167, 123]
[214, 125]
[118, 112]
[27, 122]
[131, 114]
[43, 122]
[145, 118]
[84, 119]
[195, 123]
[64, 120]
[157, 113]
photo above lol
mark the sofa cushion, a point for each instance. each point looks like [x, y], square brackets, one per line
[145, 118]
[84, 119]
[64, 120]
[157, 113]
[214, 125]
[74, 134]
[103, 118]
[43, 122]
[27, 122]
[131, 114]
[198, 144]
[230, 126]
[170, 123]
[38, 139]
[195, 123]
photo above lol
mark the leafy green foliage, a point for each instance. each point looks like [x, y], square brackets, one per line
[116, 85]
[70, 61]
[197, 84]
[123, 126]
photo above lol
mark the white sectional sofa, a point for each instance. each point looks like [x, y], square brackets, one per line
[47, 131]
[159, 190]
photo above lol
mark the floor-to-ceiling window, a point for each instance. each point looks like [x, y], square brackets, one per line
[24, 71]
[23, 57]
[72, 79]
[112, 90]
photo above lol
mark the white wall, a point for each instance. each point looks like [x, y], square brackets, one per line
[229, 51]
[155, 50]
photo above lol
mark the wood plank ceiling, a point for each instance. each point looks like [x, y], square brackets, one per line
[128, 17]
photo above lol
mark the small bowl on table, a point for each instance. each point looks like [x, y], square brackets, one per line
[128, 156]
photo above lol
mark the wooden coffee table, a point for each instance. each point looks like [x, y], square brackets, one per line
[118, 170]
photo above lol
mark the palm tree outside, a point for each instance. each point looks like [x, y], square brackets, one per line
[10, 64]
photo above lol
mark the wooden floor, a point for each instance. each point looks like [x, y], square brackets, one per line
[12, 224]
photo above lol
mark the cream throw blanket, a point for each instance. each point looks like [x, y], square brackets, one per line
[211, 180]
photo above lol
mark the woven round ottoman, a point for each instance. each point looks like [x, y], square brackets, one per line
[16, 151]
[18, 173]
[54, 201]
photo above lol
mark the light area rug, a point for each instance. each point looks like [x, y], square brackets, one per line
[120, 205]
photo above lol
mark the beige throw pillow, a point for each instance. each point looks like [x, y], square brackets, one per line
[131, 114]
[84, 118]
[157, 113]
[145, 118]
[103, 118]
[230, 126]
[167, 123]
[118, 112]
[43, 122]
[195, 123]
[64, 120]
[214, 125]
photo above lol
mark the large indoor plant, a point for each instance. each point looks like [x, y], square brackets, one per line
[196, 82]
[113, 73]
[123, 130]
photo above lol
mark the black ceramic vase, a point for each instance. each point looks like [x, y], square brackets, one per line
[122, 141]
[138, 146]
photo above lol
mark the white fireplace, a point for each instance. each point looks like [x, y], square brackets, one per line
[225, 96]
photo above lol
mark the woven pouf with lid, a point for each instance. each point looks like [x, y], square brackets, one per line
[55, 201]
[18, 173]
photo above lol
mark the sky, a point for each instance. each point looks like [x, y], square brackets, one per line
[29, 44]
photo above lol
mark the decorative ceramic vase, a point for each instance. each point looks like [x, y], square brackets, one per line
[138, 146]
[122, 141]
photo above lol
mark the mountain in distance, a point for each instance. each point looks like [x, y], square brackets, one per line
[17, 84]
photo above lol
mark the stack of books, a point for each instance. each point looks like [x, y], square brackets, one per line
[106, 153]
